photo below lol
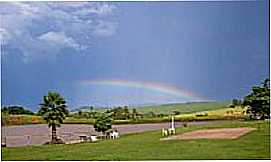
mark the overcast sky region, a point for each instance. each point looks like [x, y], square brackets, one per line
[132, 53]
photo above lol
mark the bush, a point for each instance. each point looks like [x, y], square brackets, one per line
[248, 118]
[103, 123]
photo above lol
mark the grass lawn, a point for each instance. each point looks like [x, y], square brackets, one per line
[147, 146]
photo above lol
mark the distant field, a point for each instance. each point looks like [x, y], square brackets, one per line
[220, 114]
[183, 108]
[189, 112]
[20, 119]
[147, 146]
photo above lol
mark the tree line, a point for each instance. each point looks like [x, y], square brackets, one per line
[16, 110]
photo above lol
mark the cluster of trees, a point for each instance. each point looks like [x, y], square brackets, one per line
[258, 101]
[16, 110]
[84, 114]
[235, 103]
[123, 113]
[120, 113]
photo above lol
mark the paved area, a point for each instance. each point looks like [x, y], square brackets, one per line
[38, 134]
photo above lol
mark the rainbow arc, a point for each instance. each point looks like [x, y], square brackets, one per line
[153, 86]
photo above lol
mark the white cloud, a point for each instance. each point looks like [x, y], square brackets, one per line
[100, 9]
[59, 38]
[31, 25]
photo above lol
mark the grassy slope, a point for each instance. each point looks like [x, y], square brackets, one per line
[181, 107]
[146, 146]
[225, 113]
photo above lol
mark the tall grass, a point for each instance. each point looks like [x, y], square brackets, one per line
[221, 114]
[20, 119]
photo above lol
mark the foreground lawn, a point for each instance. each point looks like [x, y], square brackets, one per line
[147, 146]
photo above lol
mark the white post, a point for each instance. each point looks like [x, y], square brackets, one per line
[172, 122]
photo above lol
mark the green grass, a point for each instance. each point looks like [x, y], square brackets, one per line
[220, 114]
[183, 107]
[147, 146]
[72, 120]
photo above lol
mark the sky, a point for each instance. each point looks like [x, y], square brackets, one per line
[132, 53]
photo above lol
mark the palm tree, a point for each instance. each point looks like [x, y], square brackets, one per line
[53, 109]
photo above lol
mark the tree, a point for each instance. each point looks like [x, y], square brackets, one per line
[235, 102]
[79, 113]
[120, 113]
[258, 101]
[126, 112]
[54, 110]
[103, 123]
[91, 108]
[16, 110]
[134, 114]
[175, 112]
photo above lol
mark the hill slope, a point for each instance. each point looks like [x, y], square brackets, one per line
[183, 108]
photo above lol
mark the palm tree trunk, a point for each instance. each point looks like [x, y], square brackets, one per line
[54, 138]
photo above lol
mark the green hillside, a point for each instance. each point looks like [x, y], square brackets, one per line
[183, 108]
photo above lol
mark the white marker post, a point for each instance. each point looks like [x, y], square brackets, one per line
[172, 124]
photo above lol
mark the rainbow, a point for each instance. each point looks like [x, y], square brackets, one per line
[153, 86]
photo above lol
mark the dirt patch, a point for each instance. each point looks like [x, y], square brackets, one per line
[221, 133]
